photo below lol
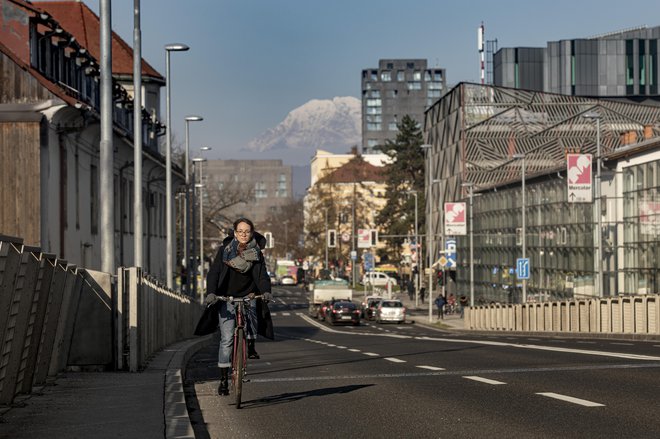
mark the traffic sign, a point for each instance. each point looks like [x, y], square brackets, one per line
[522, 268]
[450, 252]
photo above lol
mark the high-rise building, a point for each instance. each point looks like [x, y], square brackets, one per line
[398, 87]
[617, 64]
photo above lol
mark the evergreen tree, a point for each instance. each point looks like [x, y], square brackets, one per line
[405, 173]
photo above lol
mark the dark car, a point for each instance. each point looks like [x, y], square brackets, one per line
[369, 307]
[344, 312]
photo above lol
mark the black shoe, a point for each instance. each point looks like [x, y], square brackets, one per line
[252, 353]
[223, 388]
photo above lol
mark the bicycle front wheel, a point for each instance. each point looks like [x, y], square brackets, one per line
[239, 365]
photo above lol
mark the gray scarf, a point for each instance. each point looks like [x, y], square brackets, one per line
[241, 260]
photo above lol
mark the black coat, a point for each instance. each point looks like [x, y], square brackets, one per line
[219, 270]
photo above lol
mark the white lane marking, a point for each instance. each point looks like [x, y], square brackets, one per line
[484, 380]
[286, 313]
[579, 401]
[371, 354]
[325, 328]
[623, 344]
[656, 345]
[341, 347]
[430, 367]
[331, 345]
[546, 348]
[394, 360]
[354, 350]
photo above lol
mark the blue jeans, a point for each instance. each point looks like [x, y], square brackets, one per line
[227, 314]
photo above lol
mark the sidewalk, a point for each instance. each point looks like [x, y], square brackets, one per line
[148, 404]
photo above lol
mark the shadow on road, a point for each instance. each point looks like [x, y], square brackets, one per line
[296, 396]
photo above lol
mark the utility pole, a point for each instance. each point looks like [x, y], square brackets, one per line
[137, 134]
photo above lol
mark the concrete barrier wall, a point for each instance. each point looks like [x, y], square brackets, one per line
[153, 317]
[621, 314]
[55, 316]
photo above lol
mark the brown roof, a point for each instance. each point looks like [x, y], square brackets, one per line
[81, 22]
[355, 170]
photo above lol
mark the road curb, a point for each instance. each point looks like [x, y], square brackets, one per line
[177, 419]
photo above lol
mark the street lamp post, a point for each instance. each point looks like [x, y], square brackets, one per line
[201, 186]
[286, 236]
[187, 236]
[429, 238]
[470, 186]
[326, 238]
[168, 165]
[419, 274]
[523, 232]
[597, 196]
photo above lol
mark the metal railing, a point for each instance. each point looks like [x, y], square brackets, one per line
[614, 315]
[55, 316]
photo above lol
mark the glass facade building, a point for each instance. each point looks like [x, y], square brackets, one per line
[478, 134]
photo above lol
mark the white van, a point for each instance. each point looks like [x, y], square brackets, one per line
[377, 278]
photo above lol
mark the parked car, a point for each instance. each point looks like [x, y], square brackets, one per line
[344, 312]
[378, 279]
[368, 306]
[287, 280]
[390, 311]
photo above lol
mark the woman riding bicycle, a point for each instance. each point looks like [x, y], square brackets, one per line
[238, 270]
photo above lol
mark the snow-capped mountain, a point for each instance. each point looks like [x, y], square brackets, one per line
[332, 125]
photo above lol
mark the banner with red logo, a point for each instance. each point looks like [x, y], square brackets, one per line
[578, 169]
[455, 222]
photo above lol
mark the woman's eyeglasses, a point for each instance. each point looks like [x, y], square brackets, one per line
[243, 232]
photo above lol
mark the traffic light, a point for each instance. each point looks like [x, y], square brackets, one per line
[332, 238]
[373, 238]
[269, 240]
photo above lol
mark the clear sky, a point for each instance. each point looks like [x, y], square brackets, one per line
[253, 61]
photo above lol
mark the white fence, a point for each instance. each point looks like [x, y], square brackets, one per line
[55, 316]
[615, 315]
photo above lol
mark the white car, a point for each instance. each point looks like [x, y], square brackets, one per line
[287, 280]
[377, 278]
[390, 311]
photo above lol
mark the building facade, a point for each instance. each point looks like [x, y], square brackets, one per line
[49, 142]
[493, 131]
[398, 87]
[619, 64]
[256, 189]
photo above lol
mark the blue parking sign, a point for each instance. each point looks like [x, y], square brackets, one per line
[522, 268]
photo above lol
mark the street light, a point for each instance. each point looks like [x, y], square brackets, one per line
[470, 186]
[187, 237]
[168, 163]
[419, 274]
[597, 196]
[521, 156]
[429, 239]
[326, 238]
[200, 186]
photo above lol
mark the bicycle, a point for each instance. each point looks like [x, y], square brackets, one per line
[239, 350]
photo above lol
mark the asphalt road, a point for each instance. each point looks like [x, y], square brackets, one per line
[414, 381]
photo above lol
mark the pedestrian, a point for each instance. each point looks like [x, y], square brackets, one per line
[422, 292]
[451, 303]
[463, 301]
[411, 289]
[238, 270]
[440, 303]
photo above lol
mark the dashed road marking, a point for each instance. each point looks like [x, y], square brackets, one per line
[624, 344]
[354, 350]
[341, 347]
[371, 354]
[430, 367]
[484, 380]
[571, 399]
[286, 313]
[394, 360]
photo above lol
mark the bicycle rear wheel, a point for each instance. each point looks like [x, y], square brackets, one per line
[239, 365]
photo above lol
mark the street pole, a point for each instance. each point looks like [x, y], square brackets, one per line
[523, 231]
[419, 274]
[188, 230]
[353, 261]
[470, 186]
[429, 238]
[599, 284]
[106, 149]
[137, 135]
[200, 186]
[326, 238]
[168, 166]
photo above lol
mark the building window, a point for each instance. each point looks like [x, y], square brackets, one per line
[400, 76]
[630, 67]
[392, 126]
[427, 76]
[642, 66]
[372, 143]
[417, 75]
[375, 93]
[374, 110]
[437, 75]
[435, 85]
[374, 75]
[414, 85]
[386, 76]
[392, 93]
[433, 93]
[374, 102]
[410, 65]
[390, 65]
[260, 190]
[373, 127]
[374, 118]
